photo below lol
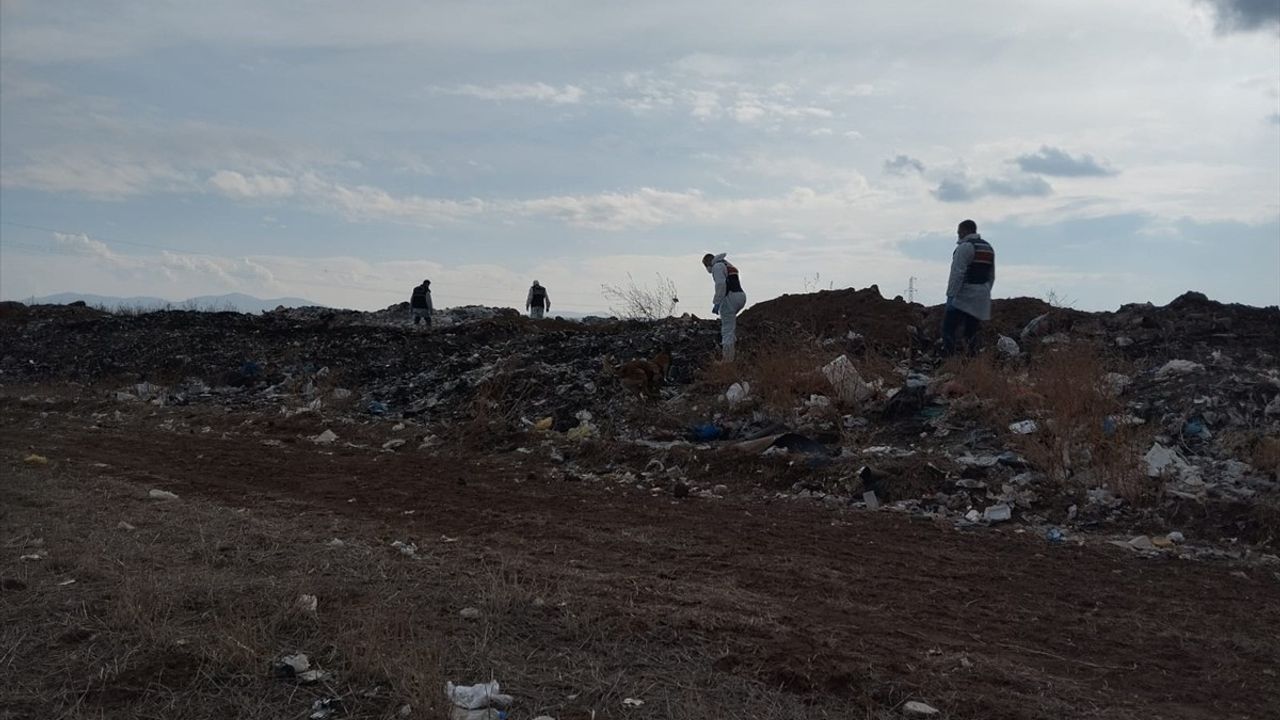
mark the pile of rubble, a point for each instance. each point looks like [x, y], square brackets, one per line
[883, 423]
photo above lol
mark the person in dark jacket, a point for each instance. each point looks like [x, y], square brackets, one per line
[973, 274]
[420, 303]
[538, 301]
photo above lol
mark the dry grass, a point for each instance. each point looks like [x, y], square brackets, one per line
[784, 376]
[1066, 392]
[183, 617]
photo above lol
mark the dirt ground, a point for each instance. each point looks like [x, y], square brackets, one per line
[590, 593]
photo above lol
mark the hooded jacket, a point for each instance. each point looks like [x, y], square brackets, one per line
[973, 274]
[726, 278]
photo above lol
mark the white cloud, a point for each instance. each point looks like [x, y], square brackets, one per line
[236, 185]
[81, 244]
[538, 92]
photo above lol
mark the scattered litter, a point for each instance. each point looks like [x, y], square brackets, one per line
[470, 613]
[1178, 367]
[913, 707]
[844, 378]
[122, 525]
[738, 392]
[393, 444]
[1161, 460]
[69, 581]
[1055, 536]
[34, 459]
[311, 677]
[307, 604]
[1176, 537]
[483, 701]
[1008, 346]
[870, 500]
[544, 424]
[1024, 427]
[325, 708]
[997, 513]
[290, 666]
[632, 702]
[325, 438]
[406, 549]
[161, 495]
[37, 555]
[585, 428]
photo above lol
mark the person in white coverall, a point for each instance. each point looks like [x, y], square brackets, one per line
[728, 302]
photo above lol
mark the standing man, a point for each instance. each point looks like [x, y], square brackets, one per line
[538, 301]
[420, 303]
[973, 273]
[728, 302]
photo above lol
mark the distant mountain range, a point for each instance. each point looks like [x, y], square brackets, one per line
[233, 302]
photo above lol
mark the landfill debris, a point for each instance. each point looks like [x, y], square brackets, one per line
[307, 604]
[155, 494]
[325, 438]
[122, 525]
[325, 708]
[544, 424]
[290, 666]
[632, 703]
[738, 393]
[35, 556]
[1008, 347]
[1178, 367]
[34, 459]
[585, 429]
[406, 549]
[845, 380]
[997, 513]
[1024, 427]
[1162, 460]
[470, 613]
[870, 500]
[483, 701]
[1176, 537]
[1055, 536]
[395, 444]
[919, 709]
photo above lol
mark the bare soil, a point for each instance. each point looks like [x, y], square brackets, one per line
[590, 592]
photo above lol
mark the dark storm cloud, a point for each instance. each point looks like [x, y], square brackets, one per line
[960, 188]
[903, 164]
[1057, 163]
[1245, 15]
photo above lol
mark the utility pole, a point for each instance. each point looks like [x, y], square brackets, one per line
[911, 290]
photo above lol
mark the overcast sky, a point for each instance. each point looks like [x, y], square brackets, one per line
[1111, 151]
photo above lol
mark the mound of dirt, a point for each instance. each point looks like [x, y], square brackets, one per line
[834, 313]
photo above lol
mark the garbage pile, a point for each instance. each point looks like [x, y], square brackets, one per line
[312, 359]
[1190, 422]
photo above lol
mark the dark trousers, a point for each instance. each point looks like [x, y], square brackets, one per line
[958, 320]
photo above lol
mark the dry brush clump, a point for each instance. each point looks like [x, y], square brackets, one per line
[1082, 438]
